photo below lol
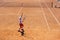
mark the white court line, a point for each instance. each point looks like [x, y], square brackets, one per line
[8, 14]
[52, 14]
[45, 19]
[20, 10]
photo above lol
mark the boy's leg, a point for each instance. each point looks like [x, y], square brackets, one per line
[22, 32]
[19, 30]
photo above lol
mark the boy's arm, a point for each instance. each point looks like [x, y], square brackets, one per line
[24, 19]
[21, 14]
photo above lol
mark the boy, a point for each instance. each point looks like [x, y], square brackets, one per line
[21, 29]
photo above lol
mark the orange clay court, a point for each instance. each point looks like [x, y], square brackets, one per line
[41, 23]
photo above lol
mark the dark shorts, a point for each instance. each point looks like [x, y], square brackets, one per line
[21, 25]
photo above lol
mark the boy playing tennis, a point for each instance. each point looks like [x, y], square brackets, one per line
[21, 29]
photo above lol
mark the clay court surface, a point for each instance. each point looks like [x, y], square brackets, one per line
[40, 23]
